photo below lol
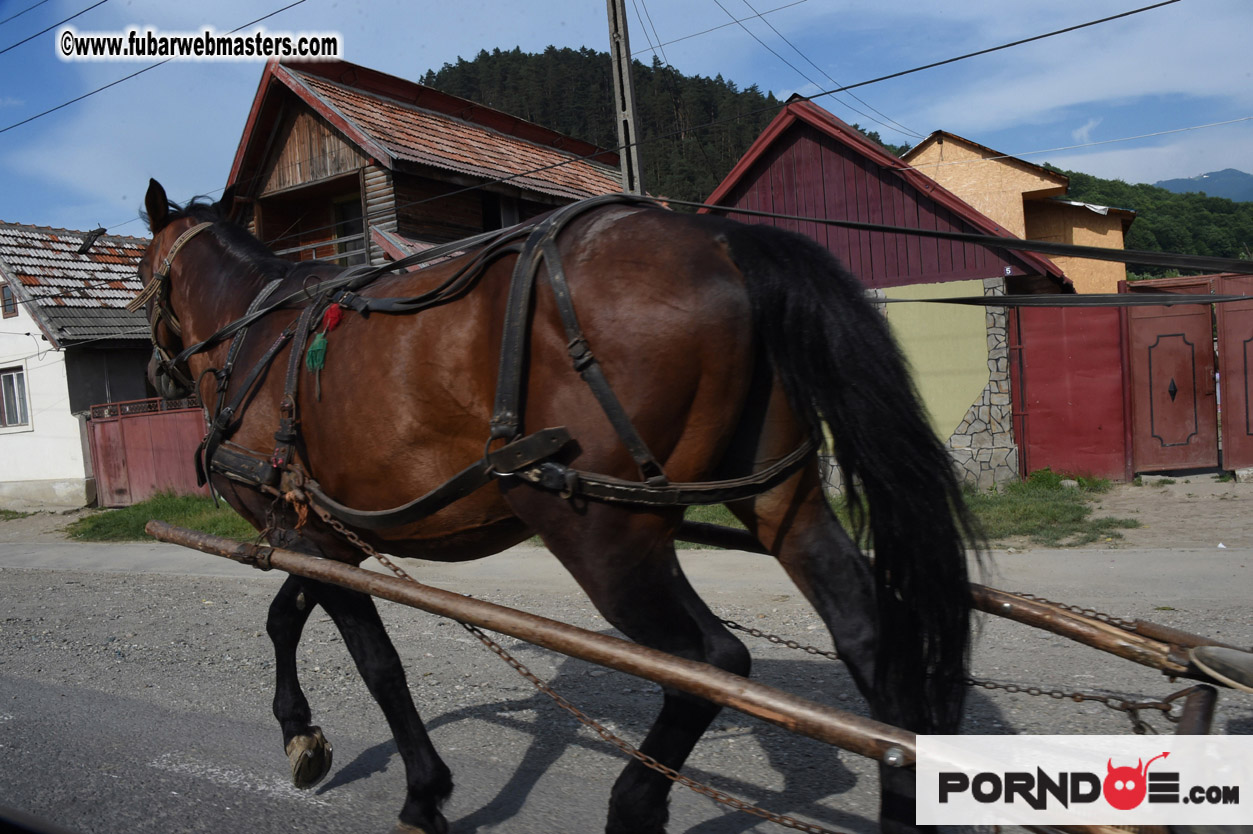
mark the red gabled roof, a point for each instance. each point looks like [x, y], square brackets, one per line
[401, 123]
[897, 185]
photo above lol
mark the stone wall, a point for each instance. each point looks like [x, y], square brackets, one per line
[983, 444]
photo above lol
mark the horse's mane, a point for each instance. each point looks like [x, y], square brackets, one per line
[238, 241]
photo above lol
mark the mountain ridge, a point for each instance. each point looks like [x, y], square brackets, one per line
[1230, 183]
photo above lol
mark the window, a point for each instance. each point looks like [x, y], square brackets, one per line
[8, 301]
[13, 410]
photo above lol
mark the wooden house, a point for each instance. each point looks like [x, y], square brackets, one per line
[340, 161]
[1029, 201]
[808, 163]
[66, 344]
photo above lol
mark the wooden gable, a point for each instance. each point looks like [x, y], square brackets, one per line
[808, 163]
[307, 150]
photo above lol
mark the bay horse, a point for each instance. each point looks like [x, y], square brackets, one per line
[727, 346]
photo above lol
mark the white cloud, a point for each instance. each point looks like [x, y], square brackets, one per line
[1084, 134]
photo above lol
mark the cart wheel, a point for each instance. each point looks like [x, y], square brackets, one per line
[1229, 666]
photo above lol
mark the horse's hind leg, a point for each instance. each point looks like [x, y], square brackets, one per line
[628, 568]
[795, 523]
[428, 779]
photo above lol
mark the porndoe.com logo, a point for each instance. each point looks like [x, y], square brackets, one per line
[1085, 780]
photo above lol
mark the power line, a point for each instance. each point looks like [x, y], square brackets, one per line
[907, 131]
[793, 67]
[990, 50]
[22, 12]
[133, 74]
[1088, 144]
[53, 26]
[732, 23]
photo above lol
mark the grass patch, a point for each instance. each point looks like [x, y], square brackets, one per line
[10, 515]
[1039, 509]
[1045, 512]
[192, 512]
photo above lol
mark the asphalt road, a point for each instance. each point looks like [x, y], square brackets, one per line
[135, 683]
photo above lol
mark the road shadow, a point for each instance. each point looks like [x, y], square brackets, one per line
[813, 775]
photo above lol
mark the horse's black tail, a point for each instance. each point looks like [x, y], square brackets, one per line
[837, 362]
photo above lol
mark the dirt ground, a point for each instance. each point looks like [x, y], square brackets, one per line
[1191, 512]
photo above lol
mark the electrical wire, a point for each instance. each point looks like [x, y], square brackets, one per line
[903, 129]
[733, 22]
[53, 26]
[134, 74]
[22, 12]
[990, 50]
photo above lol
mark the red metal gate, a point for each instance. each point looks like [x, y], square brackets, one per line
[1173, 405]
[1235, 353]
[1068, 390]
[143, 447]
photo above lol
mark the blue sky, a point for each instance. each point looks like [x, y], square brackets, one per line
[1180, 66]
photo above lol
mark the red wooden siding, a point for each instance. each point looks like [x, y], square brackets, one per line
[809, 174]
[138, 449]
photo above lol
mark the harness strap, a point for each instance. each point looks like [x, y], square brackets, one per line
[592, 372]
[571, 482]
[539, 250]
[504, 461]
[224, 425]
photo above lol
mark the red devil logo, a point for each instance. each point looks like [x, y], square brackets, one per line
[1125, 787]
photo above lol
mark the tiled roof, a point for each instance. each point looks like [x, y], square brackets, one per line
[423, 136]
[74, 297]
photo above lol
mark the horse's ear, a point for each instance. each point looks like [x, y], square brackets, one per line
[157, 205]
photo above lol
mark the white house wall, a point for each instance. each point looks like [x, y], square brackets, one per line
[43, 464]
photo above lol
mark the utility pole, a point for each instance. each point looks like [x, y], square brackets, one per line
[624, 98]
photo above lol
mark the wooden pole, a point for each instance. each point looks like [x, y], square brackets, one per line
[624, 98]
[843, 729]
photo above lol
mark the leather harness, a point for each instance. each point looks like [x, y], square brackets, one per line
[526, 457]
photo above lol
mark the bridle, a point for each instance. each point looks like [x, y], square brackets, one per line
[158, 292]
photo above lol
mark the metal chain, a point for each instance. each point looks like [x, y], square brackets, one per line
[1126, 625]
[582, 717]
[779, 641]
[1130, 708]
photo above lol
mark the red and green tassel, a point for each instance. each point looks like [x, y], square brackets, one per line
[315, 357]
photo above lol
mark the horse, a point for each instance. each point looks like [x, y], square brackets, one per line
[728, 348]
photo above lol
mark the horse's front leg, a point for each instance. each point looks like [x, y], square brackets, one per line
[428, 779]
[307, 749]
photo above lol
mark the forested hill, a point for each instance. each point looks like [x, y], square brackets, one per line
[1189, 223]
[570, 91]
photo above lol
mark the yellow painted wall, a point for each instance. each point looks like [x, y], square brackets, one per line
[1067, 223]
[993, 186]
[946, 346]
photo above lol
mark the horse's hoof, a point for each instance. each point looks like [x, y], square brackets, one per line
[310, 757]
[406, 828]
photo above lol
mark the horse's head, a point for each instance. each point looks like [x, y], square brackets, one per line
[171, 230]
